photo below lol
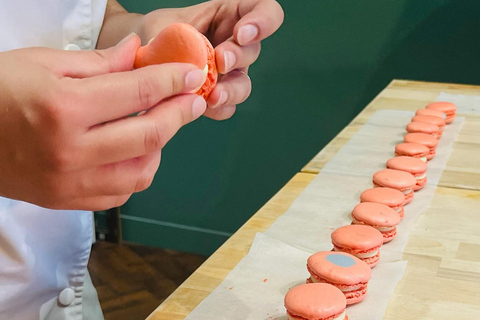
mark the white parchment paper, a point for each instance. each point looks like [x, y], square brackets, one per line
[277, 260]
[255, 289]
[466, 104]
[327, 201]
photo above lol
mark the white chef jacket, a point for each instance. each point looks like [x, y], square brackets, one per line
[44, 253]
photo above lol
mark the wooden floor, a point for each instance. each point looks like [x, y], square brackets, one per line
[133, 280]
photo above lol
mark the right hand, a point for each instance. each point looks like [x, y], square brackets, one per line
[66, 138]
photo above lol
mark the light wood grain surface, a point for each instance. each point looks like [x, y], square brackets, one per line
[442, 279]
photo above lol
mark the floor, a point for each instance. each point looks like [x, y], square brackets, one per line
[133, 280]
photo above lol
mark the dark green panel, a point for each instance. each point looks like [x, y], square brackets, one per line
[170, 236]
[329, 59]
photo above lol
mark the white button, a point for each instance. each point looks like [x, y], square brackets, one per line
[72, 47]
[66, 297]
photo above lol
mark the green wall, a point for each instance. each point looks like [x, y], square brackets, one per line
[328, 60]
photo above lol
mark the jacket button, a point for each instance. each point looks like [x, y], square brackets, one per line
[66, 297]
[72, 47]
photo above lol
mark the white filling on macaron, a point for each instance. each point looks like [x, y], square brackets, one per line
[366, 255]
[407, 191]
[424, 159]
[205, 70]
[398, 209]
[384, 229]
[421, 177]
[340, 317]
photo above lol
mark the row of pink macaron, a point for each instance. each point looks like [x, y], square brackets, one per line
[339, 277]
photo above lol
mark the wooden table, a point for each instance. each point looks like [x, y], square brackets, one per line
[442, 280]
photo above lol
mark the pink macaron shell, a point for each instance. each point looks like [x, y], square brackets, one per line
[411, 165]
[396, 179]
[343, 270]
[430, 119]
[415, 150]
[315, 301]
[387, 196]
[425, 139]
[421, 138]
[448, 108]
[414, 166]
[423, 127]
[378, 216]
[431, 112]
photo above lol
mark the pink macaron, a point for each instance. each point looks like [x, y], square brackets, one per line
[448, 108]
[396, 179]
[343, 270]
[440, 123]
[423, 127]
[425, 139]
[414, 150]
[364, 242]
[378, 216]
[315, 301]
[414, 166]
[387, 196]
[431, 112]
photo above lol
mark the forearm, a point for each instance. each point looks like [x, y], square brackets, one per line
[117, 24]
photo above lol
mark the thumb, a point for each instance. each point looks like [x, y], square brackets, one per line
[85, 64]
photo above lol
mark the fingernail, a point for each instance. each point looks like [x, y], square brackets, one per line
[126, 39]
[229, 59]
[246, 34]
[194, 80]
[198, 107]
[222, 99]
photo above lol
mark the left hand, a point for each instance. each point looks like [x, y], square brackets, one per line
[235, 29]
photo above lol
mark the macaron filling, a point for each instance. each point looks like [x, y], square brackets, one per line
[388, 232]
[345, 288]
[421, 156]
[341, 316]
[359, 254]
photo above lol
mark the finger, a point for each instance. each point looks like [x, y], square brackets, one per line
[222, 113]
[229, 55]
[260, 19]
[119, 178]
[136, 136]
[234, 88]
[117, 95]
[85, 63]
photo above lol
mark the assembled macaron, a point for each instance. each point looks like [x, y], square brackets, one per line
[416, 167]
[343, 270]
[423, 127]
[448, 108]
[378, 216]
[439, 122]
[414, 150]
[396, 179]
[387, 196]
[431, 112]
[364, 242]
[181, 42]
[425, 139]
[315, 301]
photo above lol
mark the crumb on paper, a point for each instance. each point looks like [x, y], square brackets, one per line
[230, 288]
[265, 280]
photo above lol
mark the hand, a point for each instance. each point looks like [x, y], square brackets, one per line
[235, 28]
[66, 138]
